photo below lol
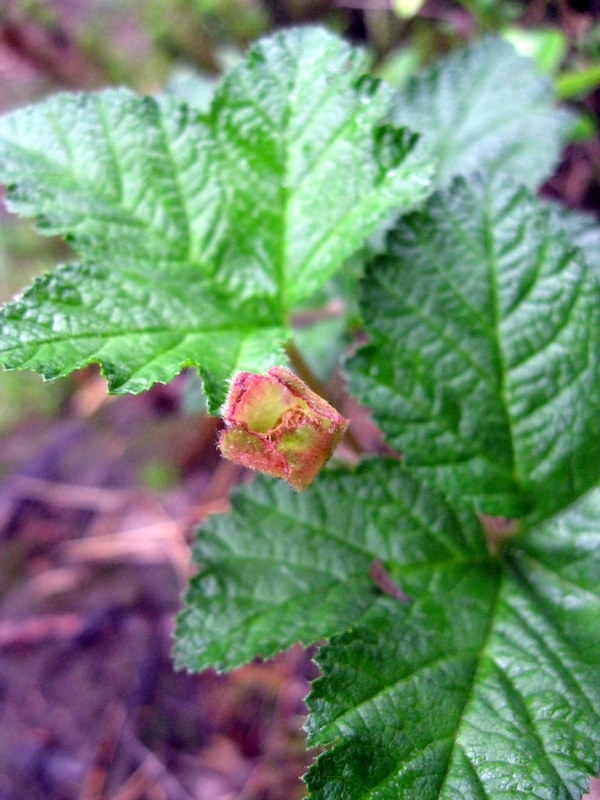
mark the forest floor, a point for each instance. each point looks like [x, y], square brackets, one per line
[93, 566]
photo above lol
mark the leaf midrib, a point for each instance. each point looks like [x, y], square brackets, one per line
[126, 215]
[492, 270]
[479, 663]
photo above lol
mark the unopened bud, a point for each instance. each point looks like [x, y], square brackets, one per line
[276, 424]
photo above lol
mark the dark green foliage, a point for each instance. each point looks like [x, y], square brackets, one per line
[483, 366]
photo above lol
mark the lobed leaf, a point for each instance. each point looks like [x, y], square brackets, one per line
[123, 176]
[485, 106]
[486, 687]
[285, 567]
[264, 196]
[483, 364]
[140, 331]
[308, 162]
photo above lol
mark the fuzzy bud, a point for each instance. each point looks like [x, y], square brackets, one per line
[276, 424]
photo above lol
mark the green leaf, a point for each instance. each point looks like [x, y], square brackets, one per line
[192, 87]
[483, 364]
[264, 196]
[285, 567]
[486, 107]
[583, 230]
[579, 81]
[140, 330]
[307, 163]
[584, 127]
[486, 687]
[120, 174]
[545, 46]
[483, 686]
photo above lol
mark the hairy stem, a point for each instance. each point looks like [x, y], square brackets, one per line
[303, 371]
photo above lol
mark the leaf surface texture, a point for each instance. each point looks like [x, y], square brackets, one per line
[285, 567]
[486, 107]
[486, 687]
[483, 362]
[256, 202]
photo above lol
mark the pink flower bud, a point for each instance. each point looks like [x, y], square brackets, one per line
[276, 424]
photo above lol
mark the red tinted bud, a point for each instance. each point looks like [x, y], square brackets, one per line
[276, 424]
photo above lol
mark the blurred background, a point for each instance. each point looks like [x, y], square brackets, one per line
[99, 496]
